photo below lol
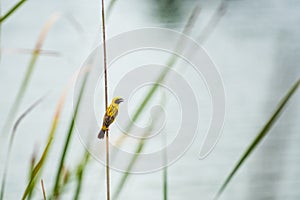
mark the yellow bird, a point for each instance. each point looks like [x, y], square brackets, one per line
[110, 115]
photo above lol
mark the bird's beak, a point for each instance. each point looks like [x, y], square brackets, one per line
[120, 100]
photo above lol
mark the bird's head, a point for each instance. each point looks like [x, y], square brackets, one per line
[117, 100]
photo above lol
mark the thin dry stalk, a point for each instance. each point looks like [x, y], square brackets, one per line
[106, 101]
[29, 51]
[43, 189]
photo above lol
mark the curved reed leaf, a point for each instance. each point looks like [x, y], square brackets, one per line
[11, 140]
[110, 7]
[28, 74]
[265, 130]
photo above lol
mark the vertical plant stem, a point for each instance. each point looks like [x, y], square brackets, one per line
[106, 101]
[104, 55]
[107, 168]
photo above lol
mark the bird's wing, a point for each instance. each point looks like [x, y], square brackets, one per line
[108, 120]
[111, 114]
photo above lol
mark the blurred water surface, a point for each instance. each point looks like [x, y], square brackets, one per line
[256, 49]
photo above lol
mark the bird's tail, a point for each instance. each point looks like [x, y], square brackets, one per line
[101, 134]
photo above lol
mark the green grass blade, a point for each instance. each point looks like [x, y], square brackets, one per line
[11, 140]
[36, 170]
[67, 140]
[138, 150]
[170, 62]
[165, 161]
[165, 183]
[265, 130]
[80, 172]
[40, 163]
[124, 178]
[28, 73]
[129, 168]
[12, 10]
[30, 171]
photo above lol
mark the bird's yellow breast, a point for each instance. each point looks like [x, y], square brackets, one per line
[112, 110]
